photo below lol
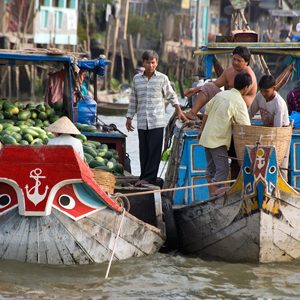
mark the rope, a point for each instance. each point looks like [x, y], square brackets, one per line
[115, 245]
[179, 188]
[119, 199]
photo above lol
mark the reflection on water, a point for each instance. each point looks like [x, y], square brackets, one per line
[161, 276]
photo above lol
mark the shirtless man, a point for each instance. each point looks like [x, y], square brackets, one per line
[240, 63]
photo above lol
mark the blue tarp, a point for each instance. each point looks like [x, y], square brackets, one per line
[97, 65]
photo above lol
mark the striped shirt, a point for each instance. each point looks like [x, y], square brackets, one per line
[147, 100]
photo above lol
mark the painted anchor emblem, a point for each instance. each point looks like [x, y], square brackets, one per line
[260, 159]
[33, 193]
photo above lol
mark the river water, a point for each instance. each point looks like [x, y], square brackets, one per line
[160, 276]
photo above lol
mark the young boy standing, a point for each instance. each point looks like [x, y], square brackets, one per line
[272, 107]
[273, 110]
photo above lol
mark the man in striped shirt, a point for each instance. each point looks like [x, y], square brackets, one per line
[147, 100]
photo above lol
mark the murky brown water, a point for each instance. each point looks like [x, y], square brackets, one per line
[161, 276]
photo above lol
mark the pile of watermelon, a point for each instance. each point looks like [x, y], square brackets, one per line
[25, 124]
[97, 155]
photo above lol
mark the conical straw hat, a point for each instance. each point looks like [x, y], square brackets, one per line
[63, 125]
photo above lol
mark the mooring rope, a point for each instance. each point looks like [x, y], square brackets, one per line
[179, 188]
[115, 245]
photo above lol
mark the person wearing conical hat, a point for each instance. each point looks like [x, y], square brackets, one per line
[64, 128]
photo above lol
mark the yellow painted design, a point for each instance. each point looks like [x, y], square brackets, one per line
[249, 205]
[275, 209]
[237, 186]
[254, 204]
[271, 206]
[283, 186]
[264, 205]
[260, 152]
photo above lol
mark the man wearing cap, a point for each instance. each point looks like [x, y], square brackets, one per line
[64, 129]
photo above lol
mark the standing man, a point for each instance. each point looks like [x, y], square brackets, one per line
[226, 108]
[149, 91]
[240, 63]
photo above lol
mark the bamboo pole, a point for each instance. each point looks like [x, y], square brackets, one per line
[17, 72]
[122, 63]
[126, 5]
[197, 35]
[29, 16]
[2, 16]
[131, 53]
[87, 26]
[9, 82]
[114, 48]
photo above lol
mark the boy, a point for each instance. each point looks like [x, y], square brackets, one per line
[273, 109]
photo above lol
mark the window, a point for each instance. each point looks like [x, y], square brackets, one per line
[44, 2]
[44, 18]
[71, 4]
[59, 20]
[58, 3]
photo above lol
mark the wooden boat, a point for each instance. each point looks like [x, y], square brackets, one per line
[255, 220]
[236, 226]
[53, 212]
[115, 104]
[112, 109]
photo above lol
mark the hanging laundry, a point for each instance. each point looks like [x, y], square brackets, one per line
[55, 87]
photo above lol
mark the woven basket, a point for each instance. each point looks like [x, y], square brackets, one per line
[249, 135]
[105, 179]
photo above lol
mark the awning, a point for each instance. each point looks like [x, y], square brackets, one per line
[284, 13]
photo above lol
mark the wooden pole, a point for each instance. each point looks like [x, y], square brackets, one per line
[87, 26]
[107, 49]
[2, 16]
[131, 53]
[29, 16]
[107, 37]
[126, 4]
[95, 86]
[197, 34]
[3, 86]
[115, 41]
[9, 82]
[32, 82]
[17, 72]
[122, 63]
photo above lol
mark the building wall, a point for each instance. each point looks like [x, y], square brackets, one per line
[56, 22]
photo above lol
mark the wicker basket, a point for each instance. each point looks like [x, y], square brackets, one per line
[105, 179]
[249, 135]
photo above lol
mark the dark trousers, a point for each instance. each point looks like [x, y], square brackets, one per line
[150, 146]
[217, 163]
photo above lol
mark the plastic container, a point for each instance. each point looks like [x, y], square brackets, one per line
[87, 111]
